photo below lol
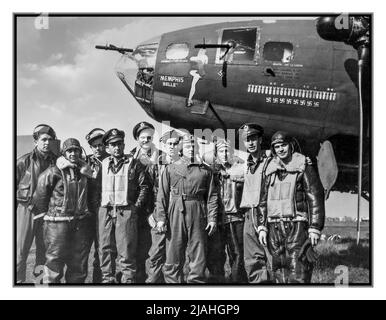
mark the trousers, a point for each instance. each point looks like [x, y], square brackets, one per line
[285, 240]
[186, 235]
[216, 256]
[255, 257]
[96, 272]
[143, 246]
[68, 244]
[27, 230]
[157, 257]
[118, 239]
[233, 235]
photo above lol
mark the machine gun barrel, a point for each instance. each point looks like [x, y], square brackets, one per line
[230, 45]
[111, 47]
[208, 46]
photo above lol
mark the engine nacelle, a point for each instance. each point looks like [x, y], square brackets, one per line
[353, 30]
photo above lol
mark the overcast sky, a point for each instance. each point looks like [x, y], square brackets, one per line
[62, 80]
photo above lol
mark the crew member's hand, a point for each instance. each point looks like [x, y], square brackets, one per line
[237, 178]
[212, 226]
[314, 238]
[263, 237]
[62, 163]
[161, 227]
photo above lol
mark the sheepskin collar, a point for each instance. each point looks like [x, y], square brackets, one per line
[297, 164]
[84, 169]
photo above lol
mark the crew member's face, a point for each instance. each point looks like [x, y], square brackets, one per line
[282, 149]
[43, 143]
[223, 155]
[145, 138]
[252, 143]
[188, 150]
[97, 147]
[172, 147]
[73, 155]
[116, 148]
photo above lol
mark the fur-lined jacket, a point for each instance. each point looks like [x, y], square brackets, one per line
[61, 192]
[308, 195]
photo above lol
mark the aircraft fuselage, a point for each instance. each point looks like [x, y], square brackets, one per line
[280, 74]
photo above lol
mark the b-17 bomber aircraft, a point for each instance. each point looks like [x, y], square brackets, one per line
[307, 76]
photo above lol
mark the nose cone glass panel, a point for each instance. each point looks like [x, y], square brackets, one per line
[136, 71]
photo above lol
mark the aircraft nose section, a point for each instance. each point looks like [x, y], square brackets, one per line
[136, 71]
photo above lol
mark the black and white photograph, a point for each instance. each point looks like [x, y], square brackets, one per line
[193, 149]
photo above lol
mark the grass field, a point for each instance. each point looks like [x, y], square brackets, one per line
[344, 253]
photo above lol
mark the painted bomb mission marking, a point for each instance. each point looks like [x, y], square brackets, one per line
[293, 96]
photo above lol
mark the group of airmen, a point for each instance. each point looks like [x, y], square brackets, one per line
[148, 211]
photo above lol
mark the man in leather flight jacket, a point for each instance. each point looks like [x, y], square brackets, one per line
[146, 153]
[291, 211]
[229, 240]
[28, 169]
[61, 196]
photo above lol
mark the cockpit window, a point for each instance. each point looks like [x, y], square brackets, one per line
[278, 51]
[177, 51]
[245, 41]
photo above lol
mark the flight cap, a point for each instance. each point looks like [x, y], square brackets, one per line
[250, 129]
[140, 127]
[71, 143]
[113, 135]
[43, 128]
[169, 135]
[95, 134]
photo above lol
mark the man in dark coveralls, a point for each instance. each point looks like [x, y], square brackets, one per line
[157, 252]
[187, 202]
